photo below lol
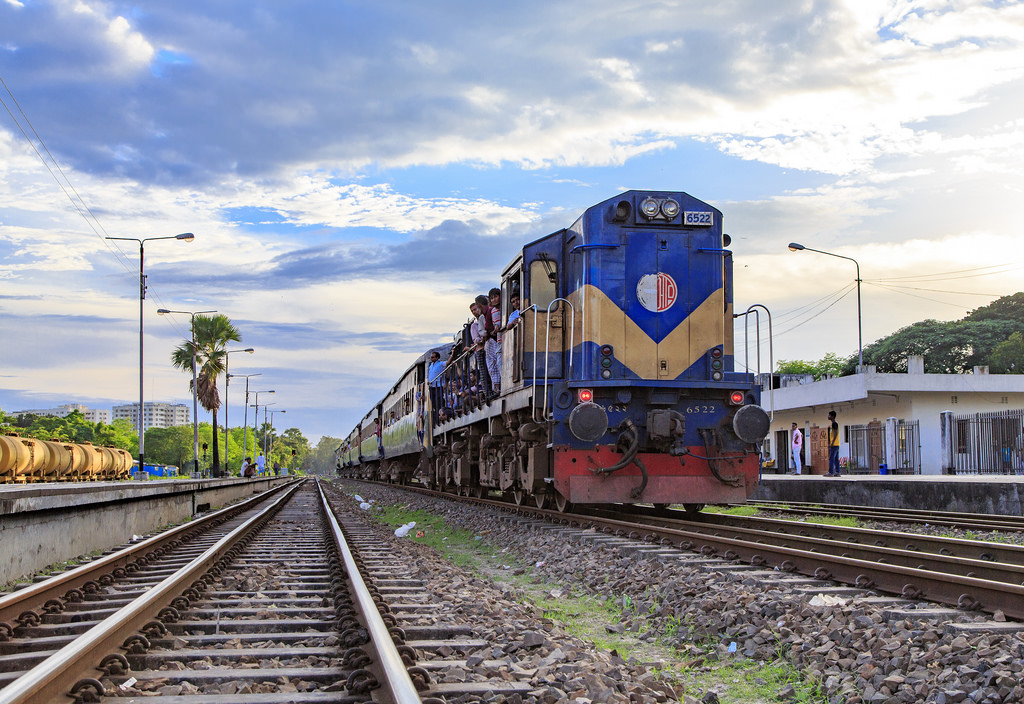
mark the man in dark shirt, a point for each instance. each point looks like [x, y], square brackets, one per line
[833, 445]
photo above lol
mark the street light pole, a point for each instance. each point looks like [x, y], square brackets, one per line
[245, 422]
[271, 451]
[266, 407]
[195, 384]
[795, 247]
[186, 237]
[256, 415]
[227, 381]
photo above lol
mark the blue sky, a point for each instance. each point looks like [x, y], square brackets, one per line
[355, 172]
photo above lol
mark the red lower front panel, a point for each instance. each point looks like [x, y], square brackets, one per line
[670, 480]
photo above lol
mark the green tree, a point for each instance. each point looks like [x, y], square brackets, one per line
[169, 445]
[1008, 356]
[1005, 308]
[321, 459]
[120, 433]
[829, 364]
[212, 334]
[948, 347]
[291, 439]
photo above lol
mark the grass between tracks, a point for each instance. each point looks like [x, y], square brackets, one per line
[613, 623]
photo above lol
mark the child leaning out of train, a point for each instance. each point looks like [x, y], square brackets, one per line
[493, 346]
[478, 331]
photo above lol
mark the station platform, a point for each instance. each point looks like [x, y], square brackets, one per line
[999, 494]
[43, 524]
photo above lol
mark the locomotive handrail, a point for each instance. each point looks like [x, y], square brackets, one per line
[547, 339]
[771, 350]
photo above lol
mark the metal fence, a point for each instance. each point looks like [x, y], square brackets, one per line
[871, 447]
[985, 443]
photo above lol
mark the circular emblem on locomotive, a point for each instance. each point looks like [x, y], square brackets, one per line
[656, 292]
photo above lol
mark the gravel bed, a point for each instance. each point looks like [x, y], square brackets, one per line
[849, 648]
[522, 645]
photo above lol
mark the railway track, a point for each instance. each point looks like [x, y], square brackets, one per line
[951, 519]
[967, 574]
[265, 606]
[292, 598]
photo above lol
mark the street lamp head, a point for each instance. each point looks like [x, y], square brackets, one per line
[795, 247]
[187, 236]
[250, 350]
[162, 311]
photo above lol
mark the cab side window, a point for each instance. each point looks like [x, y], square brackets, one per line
[543, 283]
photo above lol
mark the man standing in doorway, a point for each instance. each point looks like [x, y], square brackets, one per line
[797, 445]
[833, 445]
[435, 378]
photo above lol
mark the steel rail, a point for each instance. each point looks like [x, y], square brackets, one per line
[35, 596]
[1005, 572]
[905, 515]
[399, 685]
[988, 551]
[51, 679]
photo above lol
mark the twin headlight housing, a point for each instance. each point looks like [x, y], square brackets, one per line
[655, 209]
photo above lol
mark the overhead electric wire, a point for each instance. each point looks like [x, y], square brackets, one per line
[935, 276]
[820, 301]
[923, 298]
[893, 287]
[80, 205]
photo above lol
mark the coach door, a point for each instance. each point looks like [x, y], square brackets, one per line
[512, 338]
[541, 277]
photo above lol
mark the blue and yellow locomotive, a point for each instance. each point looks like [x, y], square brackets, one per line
[617, 379]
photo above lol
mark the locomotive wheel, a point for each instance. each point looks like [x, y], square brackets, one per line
[518, 496]
[478, 492]
[562, 504]
[540, 500]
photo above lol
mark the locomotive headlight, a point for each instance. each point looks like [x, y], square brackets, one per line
[716, 376]
[650, 208]
[670, 208]
[606, 373]
[606, 362]
[586, 396]
[716, 364]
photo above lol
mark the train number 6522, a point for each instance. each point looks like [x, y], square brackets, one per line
[698, 217]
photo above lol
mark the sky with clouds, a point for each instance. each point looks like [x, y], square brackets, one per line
[355, 172]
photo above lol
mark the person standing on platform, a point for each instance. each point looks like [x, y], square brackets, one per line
[797, 445]
[261, 464]
[833, 445]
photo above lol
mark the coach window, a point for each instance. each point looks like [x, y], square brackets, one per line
[543, 283]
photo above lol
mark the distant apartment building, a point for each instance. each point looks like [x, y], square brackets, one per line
[157, 415]
[93, 415]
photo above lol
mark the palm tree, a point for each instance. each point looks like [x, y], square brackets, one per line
[212, 334]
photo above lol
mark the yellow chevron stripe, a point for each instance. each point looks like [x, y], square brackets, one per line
[601, 321]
